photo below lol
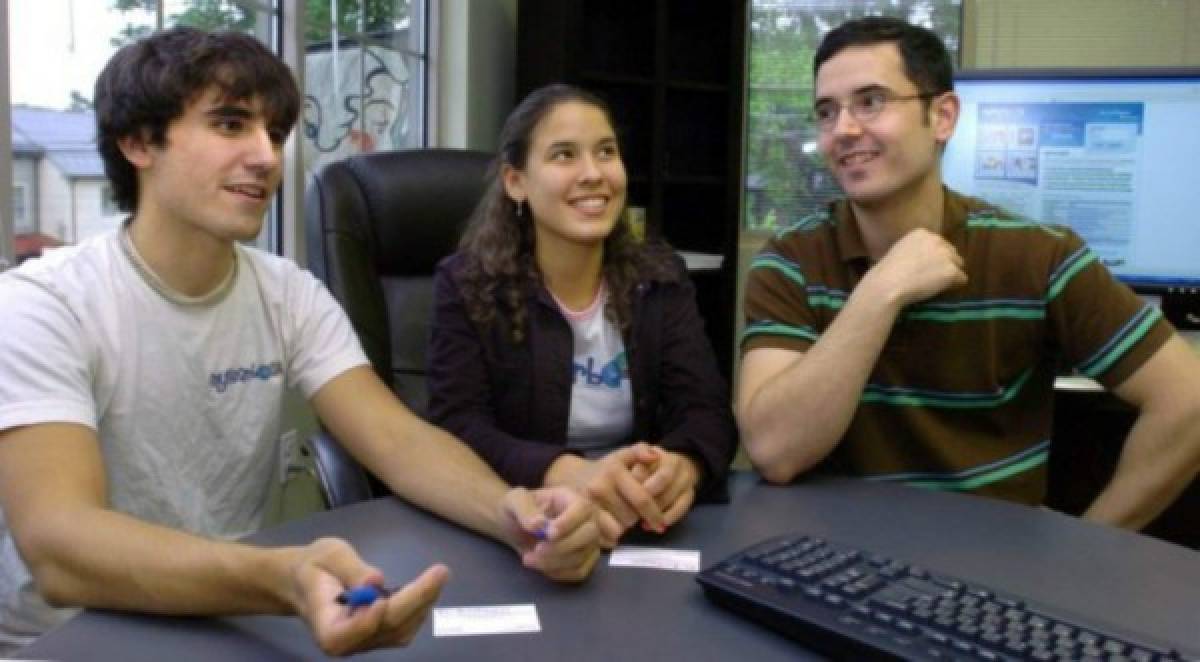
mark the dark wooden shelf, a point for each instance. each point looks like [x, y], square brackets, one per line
[604, 78]
[698, 86]
[709, 180]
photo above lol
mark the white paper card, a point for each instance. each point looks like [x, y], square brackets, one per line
[495, 619]
[681, 560]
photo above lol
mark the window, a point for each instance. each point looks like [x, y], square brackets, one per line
[364, 78]
[20, 208]
[108, 206]
[364, 63]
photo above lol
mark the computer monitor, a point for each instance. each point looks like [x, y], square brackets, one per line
[1115, 155]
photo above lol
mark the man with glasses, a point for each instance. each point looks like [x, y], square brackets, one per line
[909, 333]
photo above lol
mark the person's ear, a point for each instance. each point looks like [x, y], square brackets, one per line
[136, 150]
[514, 183]
[944, 110]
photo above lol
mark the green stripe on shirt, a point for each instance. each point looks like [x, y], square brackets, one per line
[876, 395]
[1011, 224]
[775, 329]
[778, 264]
[1065, 277]
[827, 300]
[988, 313]
[996, 475]
[1104, 363]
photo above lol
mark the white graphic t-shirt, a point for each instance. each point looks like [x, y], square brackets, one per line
[184, 399]
[601, 416]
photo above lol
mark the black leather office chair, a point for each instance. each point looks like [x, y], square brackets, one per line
[377, 224]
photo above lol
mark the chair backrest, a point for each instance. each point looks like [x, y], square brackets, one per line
[377, 224]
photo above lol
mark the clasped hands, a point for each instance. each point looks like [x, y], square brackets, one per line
[638, 483]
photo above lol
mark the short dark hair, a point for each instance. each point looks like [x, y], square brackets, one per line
[149, 83]
[926, 61]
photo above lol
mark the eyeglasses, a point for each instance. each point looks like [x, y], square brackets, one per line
[864, 106]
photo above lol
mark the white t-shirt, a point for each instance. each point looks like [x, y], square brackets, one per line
[185, 399]
[601, 416]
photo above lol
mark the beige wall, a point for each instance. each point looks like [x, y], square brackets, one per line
[1080, 33]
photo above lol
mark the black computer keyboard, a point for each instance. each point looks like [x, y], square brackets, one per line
[856, 605]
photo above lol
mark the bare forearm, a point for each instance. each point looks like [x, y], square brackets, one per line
[434, 470]
[437, 472]
[419, 462]
[1161, 456]
[92, 557]
[798, 416]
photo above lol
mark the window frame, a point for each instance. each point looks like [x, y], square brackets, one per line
[289, 233]
[7, 223]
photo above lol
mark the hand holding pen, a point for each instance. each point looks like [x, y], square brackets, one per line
[348, 606]
[364, 595]
[554, 531]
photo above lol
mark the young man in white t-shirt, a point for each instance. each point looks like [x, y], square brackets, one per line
[142, 373]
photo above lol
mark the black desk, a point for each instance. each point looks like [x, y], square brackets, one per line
[636, 614]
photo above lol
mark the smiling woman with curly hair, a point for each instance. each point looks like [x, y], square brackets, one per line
[565, 350]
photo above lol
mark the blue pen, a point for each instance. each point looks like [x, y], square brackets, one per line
[541, 532]
[362, 596]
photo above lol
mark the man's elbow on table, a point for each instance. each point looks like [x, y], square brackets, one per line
[778, 457]
[46, 550]
[1189, 426]
[779, 448]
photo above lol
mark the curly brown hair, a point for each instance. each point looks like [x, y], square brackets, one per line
[499, 268]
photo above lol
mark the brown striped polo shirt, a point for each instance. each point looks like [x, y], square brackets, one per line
[961, 396]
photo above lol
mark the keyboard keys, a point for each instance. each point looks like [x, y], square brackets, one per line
[1016, 647]
[847, 619]
[907, 611]
[961, 645]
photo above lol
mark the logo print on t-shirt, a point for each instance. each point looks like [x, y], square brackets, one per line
[221, 381]
[610, 375]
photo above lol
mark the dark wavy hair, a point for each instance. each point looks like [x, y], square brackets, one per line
[499, 267]
[926, 62]
[149, 83]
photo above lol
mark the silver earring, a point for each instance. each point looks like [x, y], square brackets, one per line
[520, 208]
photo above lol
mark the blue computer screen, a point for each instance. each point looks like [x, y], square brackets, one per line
[1116, 156]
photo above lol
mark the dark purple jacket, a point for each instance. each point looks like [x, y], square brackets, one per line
[510, 402]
